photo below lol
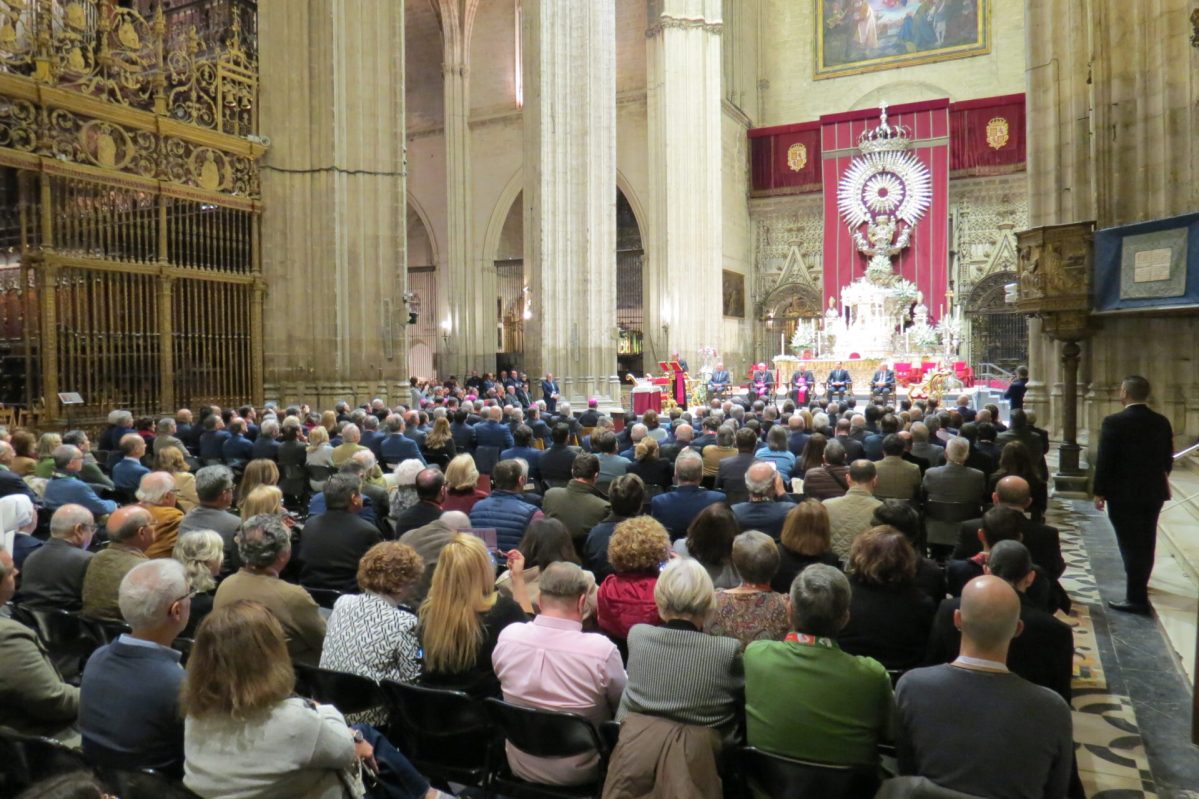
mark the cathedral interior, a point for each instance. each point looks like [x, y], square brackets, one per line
[232, 201]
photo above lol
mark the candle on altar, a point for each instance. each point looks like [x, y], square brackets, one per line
[782, 346]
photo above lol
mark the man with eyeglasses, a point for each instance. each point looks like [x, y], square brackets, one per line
[67, 488]
[53, 574]
[157, 493]
[214, 487]
[130, 534]
[129, 700]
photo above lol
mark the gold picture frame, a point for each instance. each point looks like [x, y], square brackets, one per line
[890, 34]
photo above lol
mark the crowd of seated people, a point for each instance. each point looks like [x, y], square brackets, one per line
[471, 539]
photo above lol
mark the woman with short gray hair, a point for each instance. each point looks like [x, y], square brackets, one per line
[752, 611]
[676, 671]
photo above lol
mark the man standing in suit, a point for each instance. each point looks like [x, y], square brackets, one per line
[549, 393]
[839, 382]
[882, 383]
[1132, 473]
[1016, 390]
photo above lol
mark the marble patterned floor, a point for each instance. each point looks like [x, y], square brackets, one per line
[1131, 705]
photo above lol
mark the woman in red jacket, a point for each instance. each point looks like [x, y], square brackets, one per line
[637, 551]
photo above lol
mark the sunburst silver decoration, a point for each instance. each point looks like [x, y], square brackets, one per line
[895, 184]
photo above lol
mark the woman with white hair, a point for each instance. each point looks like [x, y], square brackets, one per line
[202, 552]
[18, 520]
[320, 454]
[659, 656]
[404, 495]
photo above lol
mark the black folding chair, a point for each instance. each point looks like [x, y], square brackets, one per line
[787, 778]
[545, 733]
[30, 758]
[349, 693]
[146, 784]
[325, 597]
[69, 638]
[446, 734]
[942, 520]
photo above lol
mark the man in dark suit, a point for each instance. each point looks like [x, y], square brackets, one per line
[720, 381]
[1043, 541]
[337, 539]
[999, 524]
[872, 446]
[1132, 474]
[537, 424]
[590, 417]
[11, 482]
[430, 491]
[882, 383]
[839, 382]
[1016, 390]
[853, 448]
[1043, 653]
[523, 448]
[267, 444]
[730, 473]
[708, 435]
[797, 435]
[462, 433]
[768, 503]
[397, 447]
[676, 509]
[493, 433]
[549, 393]
[557, 461]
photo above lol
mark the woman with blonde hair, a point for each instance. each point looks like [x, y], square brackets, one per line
[171, 461]
[463, 615]
[462, 485]
[438, 448]
[259, 472]
[45, 454]
[806, 539]
[320, 455]
[652, 469]
[246, 735]
[264, 499]
[201, 552]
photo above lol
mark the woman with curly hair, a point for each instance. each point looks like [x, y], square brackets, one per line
[889, 617]
[710, 541]
[638, 549]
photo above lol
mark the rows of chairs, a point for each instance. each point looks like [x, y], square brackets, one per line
[451, 738]
[28, 759]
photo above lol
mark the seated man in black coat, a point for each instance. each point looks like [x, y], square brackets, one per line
[730, 473]
[1043, 653]
[430, 490]
[998, 524]
[336, 540]
[1043, 541]
[556, 462]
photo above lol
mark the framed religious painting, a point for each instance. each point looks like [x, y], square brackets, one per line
[855, 36]
[733, 284]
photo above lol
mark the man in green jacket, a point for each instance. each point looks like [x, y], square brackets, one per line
[579, 505]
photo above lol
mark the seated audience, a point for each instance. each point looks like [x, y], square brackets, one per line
[829, 479]
[678, 508]
[129, 699]
[889, 617]
[202, 553]
[627, 498]
[264, 549]
[998, 524]
[930, 577]
[730, 472]
[157, 495]
[214, 488]
[34, 699]
[973, 726]
[54, 573]
[430, 491]
[1015, 460]
[462, 486]
[1043, 653]
[172, 461]
[804, 697]
[463, 615]
[10, 481]
[849, 514]
[130, 534]
[335, 541]
[579, 504]
[438, 446]
[127, 474]
[246, 734]
[709, 540]
[713, 454]
[576, 672]
[257, 473]
[768, 503]
[812, 456]
[65, 487]
[373, 634]
[676, 671]
[649, 466]
[522, 434]
[403, 493]
[505, 510]
[46, 444]
[776, 452]
[319, 459]
[18, 521]
[558, 460]
[897, 478]
[24, 459]
[805, 540]
[546, 541]
[396, 447]
[752, 611]
[237, 449]
[637, 551]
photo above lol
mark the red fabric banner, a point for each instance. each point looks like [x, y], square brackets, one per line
[786, 159]
[988, 136]
[925, 261]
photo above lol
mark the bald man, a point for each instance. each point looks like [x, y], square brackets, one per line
[973, 726]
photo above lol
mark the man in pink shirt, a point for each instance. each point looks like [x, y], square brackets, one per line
[551, 663]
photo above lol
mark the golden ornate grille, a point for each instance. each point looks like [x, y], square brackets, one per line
[129, 205]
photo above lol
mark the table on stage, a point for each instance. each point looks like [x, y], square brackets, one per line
[645, 399]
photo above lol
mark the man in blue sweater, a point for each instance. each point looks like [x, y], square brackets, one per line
[129, 699]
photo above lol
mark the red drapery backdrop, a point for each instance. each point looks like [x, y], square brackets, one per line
[786, 158]
[988, 136]
[925, 261]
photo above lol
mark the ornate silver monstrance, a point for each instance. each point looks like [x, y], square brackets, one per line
[883, 194]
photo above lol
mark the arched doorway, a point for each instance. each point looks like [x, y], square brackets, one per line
[781, 312]
[422, 292]
[630, 290]
[998, 334]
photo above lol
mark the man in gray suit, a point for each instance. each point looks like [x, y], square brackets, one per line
[922, 446]
[955, 482]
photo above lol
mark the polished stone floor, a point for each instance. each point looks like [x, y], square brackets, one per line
[1132, 700]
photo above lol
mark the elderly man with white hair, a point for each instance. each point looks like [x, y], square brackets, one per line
[157, 494]
[129, 700]
[956, 483]
[768, 503]
[350, 438]
[54, 572]
[676, 509]
[636, 433]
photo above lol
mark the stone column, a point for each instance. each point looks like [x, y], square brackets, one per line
[471, 340]
[683, 299]
[570, 194]
[333, 186]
